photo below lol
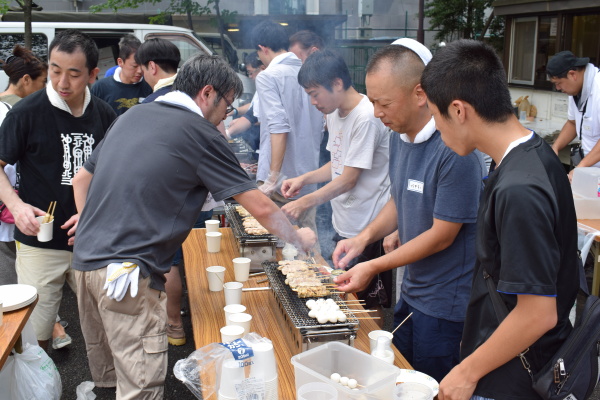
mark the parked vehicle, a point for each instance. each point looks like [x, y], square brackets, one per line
[106, 36]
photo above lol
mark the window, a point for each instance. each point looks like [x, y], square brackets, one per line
[586, 31]
[39, 44]
[524, 37]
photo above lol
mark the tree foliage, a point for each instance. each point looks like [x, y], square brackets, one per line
[186, 7]
[463, 19]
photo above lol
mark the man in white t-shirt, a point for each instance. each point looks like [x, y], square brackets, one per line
[359, 184]
[580, 79]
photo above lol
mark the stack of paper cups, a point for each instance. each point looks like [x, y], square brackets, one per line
[231, 374]
[265, 368]
[212, 225]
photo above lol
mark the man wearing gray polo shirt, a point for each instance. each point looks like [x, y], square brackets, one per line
[150, 178]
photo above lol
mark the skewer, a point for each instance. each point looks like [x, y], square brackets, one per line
[351, 301]
[50, 212]
[255, 288]
[349, 311]
[262, 280]
[399, 325]
[257, 273]
[367, 317]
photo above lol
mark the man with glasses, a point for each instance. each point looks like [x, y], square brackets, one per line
[169, 155]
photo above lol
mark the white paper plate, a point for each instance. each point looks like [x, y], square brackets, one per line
[17, 296]
[410, 375]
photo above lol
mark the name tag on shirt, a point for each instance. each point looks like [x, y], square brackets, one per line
[415, 186]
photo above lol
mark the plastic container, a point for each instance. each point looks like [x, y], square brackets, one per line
[586, 182]
[377, 377]
[585, 207]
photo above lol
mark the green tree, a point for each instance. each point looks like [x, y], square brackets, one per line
[464, 19]
[187, 7]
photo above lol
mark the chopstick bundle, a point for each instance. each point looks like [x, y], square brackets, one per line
[50, 213]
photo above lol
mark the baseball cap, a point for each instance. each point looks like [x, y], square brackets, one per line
[563, 62]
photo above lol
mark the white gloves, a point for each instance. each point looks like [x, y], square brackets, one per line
[272, 183]
[118, 278]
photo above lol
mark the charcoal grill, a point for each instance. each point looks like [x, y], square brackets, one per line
[257, 248]
[305, 332]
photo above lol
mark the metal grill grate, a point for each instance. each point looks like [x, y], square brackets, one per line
[236, 222]
[295, 307]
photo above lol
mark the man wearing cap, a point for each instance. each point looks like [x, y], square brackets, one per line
[580, 79]
[435, 195]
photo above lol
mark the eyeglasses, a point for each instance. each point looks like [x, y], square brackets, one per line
[230, 107]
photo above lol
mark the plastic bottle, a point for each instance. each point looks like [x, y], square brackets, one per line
[383, 350]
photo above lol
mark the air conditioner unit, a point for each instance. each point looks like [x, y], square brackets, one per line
[312, 7]
[366, 7]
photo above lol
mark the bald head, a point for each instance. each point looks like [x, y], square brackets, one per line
[404, 64]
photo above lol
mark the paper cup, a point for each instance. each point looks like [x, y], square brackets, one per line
[213, 242]
[231, 332]
[216, 277]
[45, 233]
[241, 319]
[317, 391]
[373, 335]
[231, 373]
[241, 268]
[233, 292]
[212, 225]
[264, 366]
[233, 309]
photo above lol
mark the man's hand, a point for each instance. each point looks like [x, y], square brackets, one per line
[72, 224]
[348, 249]
[24, 215]
[356, 279]
[391, 242]
[291, 187]
[294, 209]
[307, 239]
[456, 386]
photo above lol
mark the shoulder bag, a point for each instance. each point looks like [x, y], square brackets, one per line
[573, 372]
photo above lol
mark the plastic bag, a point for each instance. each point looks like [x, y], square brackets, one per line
[240, 370]
[35, 376]
[84, 391]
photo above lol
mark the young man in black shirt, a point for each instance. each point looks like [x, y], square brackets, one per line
[527, 231]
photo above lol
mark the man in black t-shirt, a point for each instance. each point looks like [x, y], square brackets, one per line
[526, 230]
[50, 134]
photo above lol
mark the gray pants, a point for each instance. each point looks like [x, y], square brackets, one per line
[8, 255]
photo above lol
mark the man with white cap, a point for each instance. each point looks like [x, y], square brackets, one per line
[435, 196]
[580, 79]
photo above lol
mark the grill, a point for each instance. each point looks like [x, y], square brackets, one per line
[257, 248]
[306, 332]
[236, 222]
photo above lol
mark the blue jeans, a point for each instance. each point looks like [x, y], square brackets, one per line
[480, 398]
[431, 345]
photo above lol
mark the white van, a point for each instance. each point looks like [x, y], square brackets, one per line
[106, 36]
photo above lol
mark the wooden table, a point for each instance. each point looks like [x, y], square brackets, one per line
[594, 224]
[207, 307]
[13, 323]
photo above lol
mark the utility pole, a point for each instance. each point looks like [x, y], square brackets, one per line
[420, 30]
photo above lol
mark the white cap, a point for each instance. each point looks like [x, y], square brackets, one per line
[422, 51]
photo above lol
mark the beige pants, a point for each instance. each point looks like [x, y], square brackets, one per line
[126, 340]
[47, 270]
